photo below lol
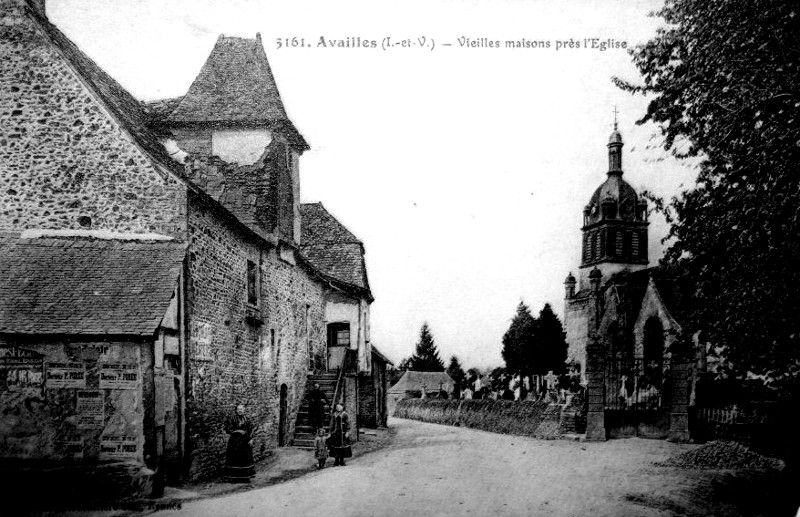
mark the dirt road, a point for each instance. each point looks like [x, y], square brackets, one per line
[439, 470]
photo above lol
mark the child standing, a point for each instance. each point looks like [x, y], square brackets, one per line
[320, 448]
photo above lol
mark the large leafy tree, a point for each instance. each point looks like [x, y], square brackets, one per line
[551, 343]
[724, 81]
[426, 355]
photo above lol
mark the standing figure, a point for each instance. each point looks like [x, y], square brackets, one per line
[316, 407]
[320, 448]
[339, 441]
[239, 456]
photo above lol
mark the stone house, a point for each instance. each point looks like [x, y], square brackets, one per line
[212, 180]
[620, 319]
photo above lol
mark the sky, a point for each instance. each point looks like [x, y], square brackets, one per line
[463, 169]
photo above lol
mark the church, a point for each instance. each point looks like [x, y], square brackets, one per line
[622, 319]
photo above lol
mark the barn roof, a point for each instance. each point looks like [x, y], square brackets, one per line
[414, 381]
[84, 285]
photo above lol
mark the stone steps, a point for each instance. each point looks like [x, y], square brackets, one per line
[303, 431]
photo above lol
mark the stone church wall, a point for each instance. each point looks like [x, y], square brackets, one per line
[233, 360]
[576, 323]
[64, 162]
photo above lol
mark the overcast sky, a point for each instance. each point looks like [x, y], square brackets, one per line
[463, 169]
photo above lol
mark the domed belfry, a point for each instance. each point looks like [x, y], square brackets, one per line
[614, 222]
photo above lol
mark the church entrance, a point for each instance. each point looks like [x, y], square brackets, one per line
[637, 388]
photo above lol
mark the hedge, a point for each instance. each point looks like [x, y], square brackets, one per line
[527, 418]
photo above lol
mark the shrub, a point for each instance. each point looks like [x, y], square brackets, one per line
[525, 418]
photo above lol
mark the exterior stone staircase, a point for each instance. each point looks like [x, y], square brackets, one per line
[303, 432]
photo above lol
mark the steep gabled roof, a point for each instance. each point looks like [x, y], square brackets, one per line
[331, 247]
[80, 285]
[126, 110]
[414, 381]
[667, 285]
[235, 86]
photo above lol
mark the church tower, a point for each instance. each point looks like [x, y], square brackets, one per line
[614, 239]
[614, 222]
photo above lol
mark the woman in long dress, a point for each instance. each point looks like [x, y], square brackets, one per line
[239, 456]
[339, 441]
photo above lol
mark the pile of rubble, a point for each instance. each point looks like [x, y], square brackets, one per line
[722, 454]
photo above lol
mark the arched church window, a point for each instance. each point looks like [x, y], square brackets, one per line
[653, 351]
[618, 242]
[593, 246]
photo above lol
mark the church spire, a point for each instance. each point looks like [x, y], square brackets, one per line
[615, 149]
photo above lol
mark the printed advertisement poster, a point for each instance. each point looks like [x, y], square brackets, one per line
[118, 447]
[23, 367]
[119, 376]
[89, 409]
[66, 375]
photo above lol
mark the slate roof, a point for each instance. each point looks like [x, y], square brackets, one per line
[668, 286]
[380, 355]
[331, 247]
[87, 286]
[413, 381]
[235, 86]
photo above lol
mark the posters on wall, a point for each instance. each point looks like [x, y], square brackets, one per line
[89, 409]
[119, 447]
[23, 367]
[119, 376]
[71, 445]
[66, 375]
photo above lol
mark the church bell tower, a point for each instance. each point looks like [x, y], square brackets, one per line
[614, 222]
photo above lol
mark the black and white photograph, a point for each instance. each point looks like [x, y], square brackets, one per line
[393, 258]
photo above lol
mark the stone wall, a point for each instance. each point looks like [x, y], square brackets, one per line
[233, 359]
[576, 325]
[73, 401]
[65, 163]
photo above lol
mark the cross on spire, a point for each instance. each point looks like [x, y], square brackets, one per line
[615, 117]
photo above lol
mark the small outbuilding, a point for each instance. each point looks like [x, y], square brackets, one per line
[414, 384]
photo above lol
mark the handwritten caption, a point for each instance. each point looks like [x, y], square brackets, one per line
[387, 43]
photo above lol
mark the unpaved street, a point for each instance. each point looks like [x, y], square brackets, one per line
[439, 470]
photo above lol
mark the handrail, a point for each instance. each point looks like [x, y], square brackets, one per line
[338, 385]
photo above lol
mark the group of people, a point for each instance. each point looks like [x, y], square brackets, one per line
[333, 441]
[336, 442]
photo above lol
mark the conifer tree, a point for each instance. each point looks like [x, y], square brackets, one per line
[456, 372]
[550, 343]
[518, 343]
[426, 355]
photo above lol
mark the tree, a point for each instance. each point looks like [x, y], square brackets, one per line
[724, 86]
[550, 343]
[426, 355]
[518, 343]
[456, 372]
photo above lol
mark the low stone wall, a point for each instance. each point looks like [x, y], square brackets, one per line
[535, 419]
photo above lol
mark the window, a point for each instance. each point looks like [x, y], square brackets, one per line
[635, 244]
[339, 334]
[252, 283]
